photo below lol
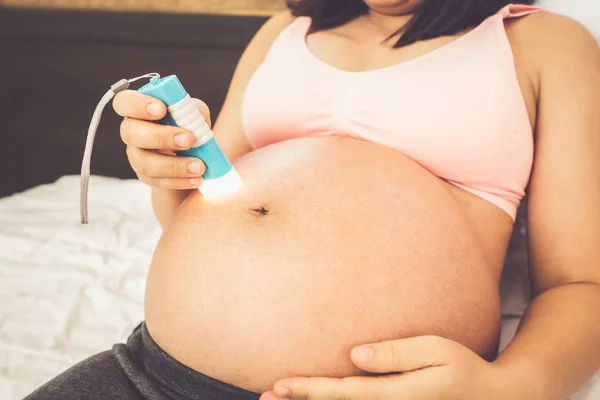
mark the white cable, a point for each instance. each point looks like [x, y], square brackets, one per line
[123, 84]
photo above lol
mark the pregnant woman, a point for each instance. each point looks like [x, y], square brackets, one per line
[385, 146]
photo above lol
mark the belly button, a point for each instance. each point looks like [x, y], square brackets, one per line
[260, 211]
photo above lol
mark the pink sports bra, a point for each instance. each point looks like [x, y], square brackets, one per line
[458, 110]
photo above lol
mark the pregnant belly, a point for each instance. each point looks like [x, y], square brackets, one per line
[331, 243]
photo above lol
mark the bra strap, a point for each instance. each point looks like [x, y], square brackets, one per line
[518, 10]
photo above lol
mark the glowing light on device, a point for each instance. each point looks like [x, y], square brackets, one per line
[220, 178]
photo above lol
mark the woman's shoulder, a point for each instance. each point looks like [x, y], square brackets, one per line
[268, 33]
[547, 36]
[263, 40]
[281, 19]
[546, 42]
[275, 25]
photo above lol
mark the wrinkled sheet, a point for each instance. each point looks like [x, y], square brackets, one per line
[68, 291]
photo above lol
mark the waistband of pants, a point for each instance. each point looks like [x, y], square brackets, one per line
[175, 377]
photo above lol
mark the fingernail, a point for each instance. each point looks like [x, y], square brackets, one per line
[282, 392]
[182, 140]
[363, 353]
[194, 167]
[154, 109]
[194, 181]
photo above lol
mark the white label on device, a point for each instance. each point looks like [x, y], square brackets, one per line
[186, 115]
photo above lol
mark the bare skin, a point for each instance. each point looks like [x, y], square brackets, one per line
[565, 265]
[306, 281]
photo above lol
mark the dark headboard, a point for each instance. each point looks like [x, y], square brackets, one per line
[55, 66]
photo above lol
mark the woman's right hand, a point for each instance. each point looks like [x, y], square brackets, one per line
[150, 145]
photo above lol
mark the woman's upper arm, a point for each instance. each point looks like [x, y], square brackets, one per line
[564, 192]
[228, 128]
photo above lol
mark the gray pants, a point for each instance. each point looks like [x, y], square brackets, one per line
[137, 370]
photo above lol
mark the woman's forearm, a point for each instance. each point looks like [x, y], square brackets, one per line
[165, 202]
[557, 347]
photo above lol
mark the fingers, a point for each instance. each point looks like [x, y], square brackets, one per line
[157, 168]
[204, 110]
[171, 183]
[325, 389]
[269, 396]
[133, 104]
[353, 388]
[404, 355]
[157, 165]
[149, 135]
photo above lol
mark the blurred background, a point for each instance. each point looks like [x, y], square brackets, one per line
[58, 57]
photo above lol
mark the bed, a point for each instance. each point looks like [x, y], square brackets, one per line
[68, 291]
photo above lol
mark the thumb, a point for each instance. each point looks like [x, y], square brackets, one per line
[204, 110]
[404, 355]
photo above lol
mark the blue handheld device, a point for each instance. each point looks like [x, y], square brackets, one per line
[220, 177]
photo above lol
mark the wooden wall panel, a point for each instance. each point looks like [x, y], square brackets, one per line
[56, 65]
[228, 7]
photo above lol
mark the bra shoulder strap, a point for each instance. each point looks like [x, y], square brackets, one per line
[518, 10]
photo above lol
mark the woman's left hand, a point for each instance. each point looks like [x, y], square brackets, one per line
[420, 368]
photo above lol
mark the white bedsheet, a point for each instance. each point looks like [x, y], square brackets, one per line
[69, 291]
